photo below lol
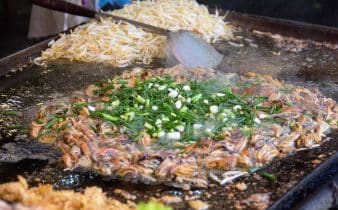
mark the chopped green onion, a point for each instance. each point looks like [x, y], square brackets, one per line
[268, 176]
[147, 103]
[140, 99]
[160, 106]
[115, 103]
[109, 117]
[152, 205]
[51, 122]
[147, 125]
[196, 97]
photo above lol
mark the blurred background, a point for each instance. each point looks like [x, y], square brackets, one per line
[15, 16]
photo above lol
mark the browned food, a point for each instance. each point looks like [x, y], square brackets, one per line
[293, 44]
[287, 118]
[45, 198]
[198, 205]
[7, 206]
[257, 201]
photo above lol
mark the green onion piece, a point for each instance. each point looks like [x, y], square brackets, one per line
[51, 122]
[109, 117]
[184, 109]
[165, 119]
[268, 176]
[147, 125]
[196, 97]
[115, 103]
[147, 103]
[140, 99]
[131, 116]
[152, 205]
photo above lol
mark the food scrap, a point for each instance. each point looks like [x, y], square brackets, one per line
[257, 201]
[198, 205]
[241, 186]
[45, 198]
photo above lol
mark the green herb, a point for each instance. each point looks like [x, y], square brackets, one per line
[152, 205]
[109, 117]
[268, 176]
[160, 106]
[196, 97]
[172, 109]
[51, 122]
[275, 109]
[140, 99]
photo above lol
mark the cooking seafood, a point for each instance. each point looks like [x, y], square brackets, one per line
[184, 128]
[121, 44]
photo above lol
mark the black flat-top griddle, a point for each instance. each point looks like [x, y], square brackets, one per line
[24, 86]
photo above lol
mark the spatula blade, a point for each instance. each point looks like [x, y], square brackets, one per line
[183, 47]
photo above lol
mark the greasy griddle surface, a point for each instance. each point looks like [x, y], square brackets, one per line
[312, 67]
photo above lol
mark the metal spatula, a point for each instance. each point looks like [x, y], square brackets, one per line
[182, 47]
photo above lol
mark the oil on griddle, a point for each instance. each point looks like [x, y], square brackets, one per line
[310, 67]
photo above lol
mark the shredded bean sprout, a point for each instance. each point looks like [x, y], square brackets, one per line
[120, 44]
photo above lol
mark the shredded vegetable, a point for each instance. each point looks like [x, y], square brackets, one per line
[120, 44]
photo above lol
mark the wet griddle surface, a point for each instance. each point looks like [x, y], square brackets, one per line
[25, 90]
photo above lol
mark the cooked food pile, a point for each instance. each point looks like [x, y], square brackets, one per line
[121, 44]
[45, 198]
[184, 128]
